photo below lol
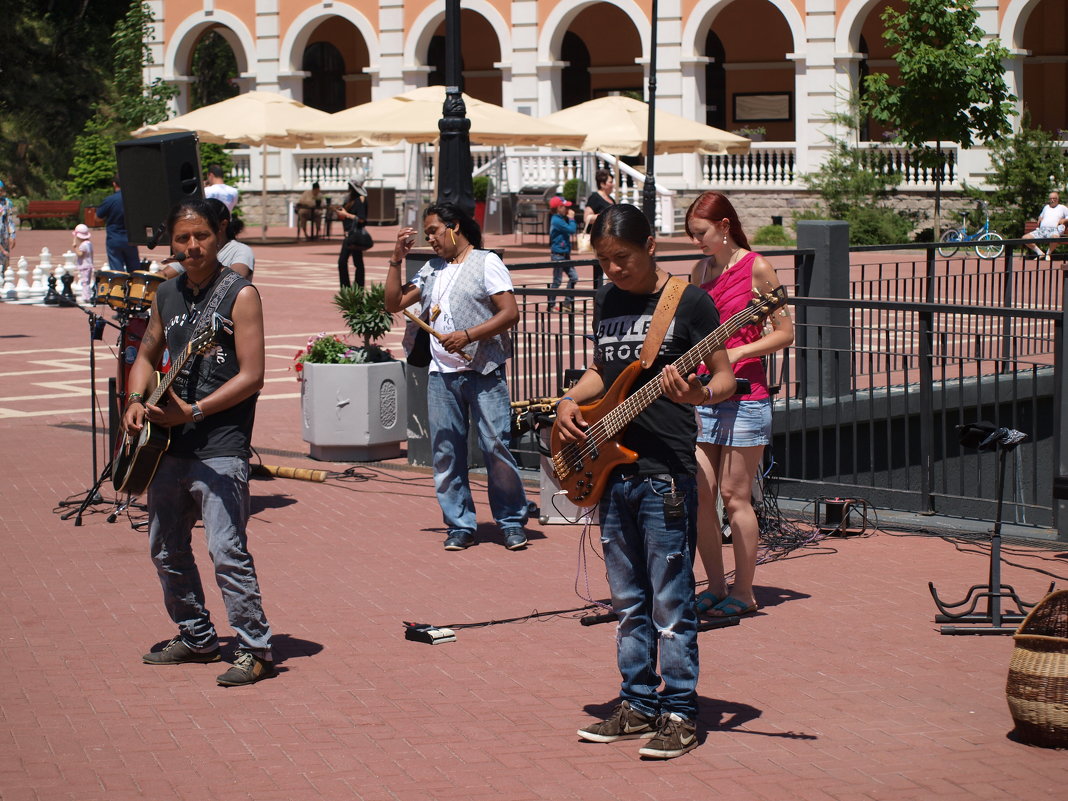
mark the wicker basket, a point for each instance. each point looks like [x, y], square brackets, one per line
[1037, 688]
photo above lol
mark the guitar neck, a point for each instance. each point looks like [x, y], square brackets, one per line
[616, 420]
[168, 379]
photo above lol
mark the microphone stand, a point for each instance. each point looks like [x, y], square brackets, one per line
[92, 495]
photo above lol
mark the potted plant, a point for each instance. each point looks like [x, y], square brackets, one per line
[480, 187]
[352, 397]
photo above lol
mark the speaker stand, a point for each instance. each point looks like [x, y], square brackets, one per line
[994, 620]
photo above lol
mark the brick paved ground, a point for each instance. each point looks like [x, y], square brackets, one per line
[840, 689]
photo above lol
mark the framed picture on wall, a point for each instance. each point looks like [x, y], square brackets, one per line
[763, 107]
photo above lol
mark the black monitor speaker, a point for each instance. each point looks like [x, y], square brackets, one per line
[155, 173]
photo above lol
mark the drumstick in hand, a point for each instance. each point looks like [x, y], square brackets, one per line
[431, 331]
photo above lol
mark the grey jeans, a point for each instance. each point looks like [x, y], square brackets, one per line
[216, 490]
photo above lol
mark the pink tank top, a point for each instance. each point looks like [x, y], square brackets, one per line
[731, 291]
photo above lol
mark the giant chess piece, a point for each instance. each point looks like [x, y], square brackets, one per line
[51, 297]
[9, 290]
[68, 292]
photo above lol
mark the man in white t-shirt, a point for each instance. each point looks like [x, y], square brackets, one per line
[216, 187]
[465, 294]
[1051, 222]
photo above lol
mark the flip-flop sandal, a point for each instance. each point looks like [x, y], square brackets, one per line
[703, 602]
[731, 607]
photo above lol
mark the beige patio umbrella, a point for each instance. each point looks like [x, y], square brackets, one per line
[253, 118]
[619, 125]
[413, 117]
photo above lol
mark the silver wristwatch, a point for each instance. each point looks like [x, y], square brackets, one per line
[197, 414]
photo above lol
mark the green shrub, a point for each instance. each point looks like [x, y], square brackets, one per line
[571, 190]
[774, 235]
[480, 187]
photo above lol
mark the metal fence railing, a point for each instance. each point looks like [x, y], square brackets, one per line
[894, 348]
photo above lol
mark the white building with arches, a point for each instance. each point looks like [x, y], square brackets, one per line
[776, 67]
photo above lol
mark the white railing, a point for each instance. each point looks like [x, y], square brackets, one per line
[766, 164]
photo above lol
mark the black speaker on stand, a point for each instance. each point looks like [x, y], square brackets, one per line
[156, 173]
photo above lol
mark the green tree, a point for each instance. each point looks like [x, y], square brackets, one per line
[127, 105]
[950, 88]
[1025, 167]
[856, 185]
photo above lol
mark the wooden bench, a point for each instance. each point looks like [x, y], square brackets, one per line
[49, 209]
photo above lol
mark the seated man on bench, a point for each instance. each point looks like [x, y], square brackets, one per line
[309, 208]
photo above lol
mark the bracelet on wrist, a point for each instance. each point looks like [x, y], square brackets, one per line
[468, 333]
[393, 263]
[708, 396]
[135, 397]
[566, 397]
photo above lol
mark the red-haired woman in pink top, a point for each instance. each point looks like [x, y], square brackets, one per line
[733, 433]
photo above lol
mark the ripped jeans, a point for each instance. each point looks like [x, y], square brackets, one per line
[650, 571]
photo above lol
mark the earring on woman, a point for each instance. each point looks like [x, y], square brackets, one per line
[452, 236]
[724, 239]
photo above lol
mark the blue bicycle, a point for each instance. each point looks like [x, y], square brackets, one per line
[988, 243]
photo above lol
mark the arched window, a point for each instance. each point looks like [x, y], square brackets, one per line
[324, 88]
[575, 77]
[213, 68]
[715, 82]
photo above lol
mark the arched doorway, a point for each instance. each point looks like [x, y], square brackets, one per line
[876, 57]
[481, 50]
[1045, 67]
[606, 44]
[213, 68]
[758, 81]
[335, 58]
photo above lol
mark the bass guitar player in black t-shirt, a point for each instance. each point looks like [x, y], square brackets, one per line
[648, 506]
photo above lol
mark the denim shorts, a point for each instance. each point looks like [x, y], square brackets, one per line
[740, 424]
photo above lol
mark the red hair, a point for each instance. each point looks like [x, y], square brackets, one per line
[714, 207]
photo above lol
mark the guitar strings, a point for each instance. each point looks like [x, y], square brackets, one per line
[608, 426]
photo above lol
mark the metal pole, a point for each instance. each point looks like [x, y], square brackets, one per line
[454, 184]
[649, 187]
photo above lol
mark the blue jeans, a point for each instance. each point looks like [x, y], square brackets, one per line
[123, 257]
[558, 274]
[450, 398]
[216, 490]
[650, 571]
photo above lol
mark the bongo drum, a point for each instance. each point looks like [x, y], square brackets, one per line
[111, 288]
[143, 286]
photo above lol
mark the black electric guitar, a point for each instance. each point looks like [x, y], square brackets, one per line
[136, 460]
[583, 467]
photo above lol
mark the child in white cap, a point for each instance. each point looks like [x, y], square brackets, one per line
[83, 247]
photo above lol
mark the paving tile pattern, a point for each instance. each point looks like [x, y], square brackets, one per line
[841, 689]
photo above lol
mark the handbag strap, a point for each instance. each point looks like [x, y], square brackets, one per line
[662, 317]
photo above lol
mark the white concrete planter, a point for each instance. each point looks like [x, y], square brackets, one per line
[354, 412]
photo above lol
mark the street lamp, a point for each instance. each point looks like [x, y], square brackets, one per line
[649, 187]
[454, 177]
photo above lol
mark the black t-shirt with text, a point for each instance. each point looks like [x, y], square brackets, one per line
[665, 434]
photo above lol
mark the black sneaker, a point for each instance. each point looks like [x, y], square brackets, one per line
[515, 540]
[625, 723]
[247, 669]
[674, 737]
[459, 541]
[176, 652]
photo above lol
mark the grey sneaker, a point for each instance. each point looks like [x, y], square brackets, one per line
[247, 669]
[625, 723]
[674, 737]
[176, 652]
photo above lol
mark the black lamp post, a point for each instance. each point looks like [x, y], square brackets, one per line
[649, 187]
[455, 165]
